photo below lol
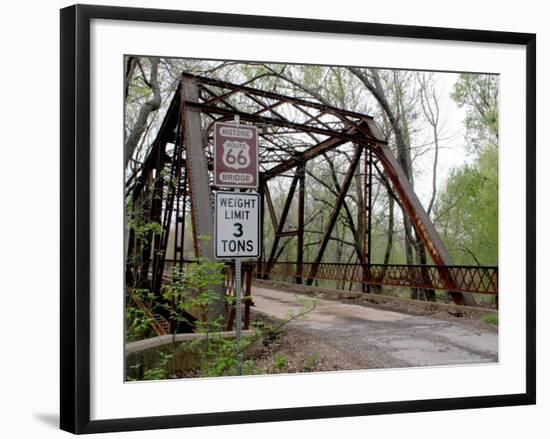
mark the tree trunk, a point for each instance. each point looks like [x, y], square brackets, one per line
[147, 108]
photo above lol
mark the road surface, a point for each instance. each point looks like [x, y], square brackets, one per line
[370, 336]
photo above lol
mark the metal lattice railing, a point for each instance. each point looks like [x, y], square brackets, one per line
[467, 279]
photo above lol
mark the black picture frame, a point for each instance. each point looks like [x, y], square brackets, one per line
[75, 217]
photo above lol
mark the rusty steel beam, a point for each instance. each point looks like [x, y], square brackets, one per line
[284, 214]
[271, 95]
[312, 117]
[269, 107]
[301, 172]
[179, 232]
[288, 233]
[261, 191]
[272, 213]
[420, 219]
[247, 299]
[280, 122]
[161, 245]
[334, 214]
[265, 107]
[155, 212]
[202, 205]
[367, 220]
[225, 95]
[308, 154]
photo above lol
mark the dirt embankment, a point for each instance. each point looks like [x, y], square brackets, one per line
[292, 350]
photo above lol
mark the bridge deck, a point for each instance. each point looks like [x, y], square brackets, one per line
[382, 338]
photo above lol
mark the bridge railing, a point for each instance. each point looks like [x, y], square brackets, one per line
[229, 287]
[467, 279]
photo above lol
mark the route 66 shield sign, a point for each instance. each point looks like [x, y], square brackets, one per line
[235, 155]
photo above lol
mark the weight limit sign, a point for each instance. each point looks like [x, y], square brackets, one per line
[237, 231]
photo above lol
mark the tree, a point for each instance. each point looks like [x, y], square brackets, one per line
[430, 107]
[467, 209]
[478, 94]
[149, 86]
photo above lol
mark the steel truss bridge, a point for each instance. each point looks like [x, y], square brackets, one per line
[182, 151]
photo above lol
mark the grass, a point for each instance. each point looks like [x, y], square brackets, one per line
[492, 319]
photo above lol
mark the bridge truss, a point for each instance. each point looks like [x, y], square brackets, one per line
[293, 131]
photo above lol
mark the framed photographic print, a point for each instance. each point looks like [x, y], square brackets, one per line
[275, 218]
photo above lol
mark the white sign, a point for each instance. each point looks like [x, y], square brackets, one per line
[237, 229]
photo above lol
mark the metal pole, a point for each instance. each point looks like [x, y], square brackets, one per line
[238, 314]
[238, 309]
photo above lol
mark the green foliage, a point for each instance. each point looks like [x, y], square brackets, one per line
[141, 233]
[161, 372]
[467, 211]
[193, 288]
[138, 323]
[280, 361]
[155, 373]
[492, 319]
[467, 208]
[478, 94]
[249, 368]
[218, 356]
[272, 334]
[136, 220]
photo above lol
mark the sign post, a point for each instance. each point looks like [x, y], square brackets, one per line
[237, 236]
[238, 316]
[237, 217]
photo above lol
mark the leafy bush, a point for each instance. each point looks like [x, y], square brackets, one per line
[192, 290]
